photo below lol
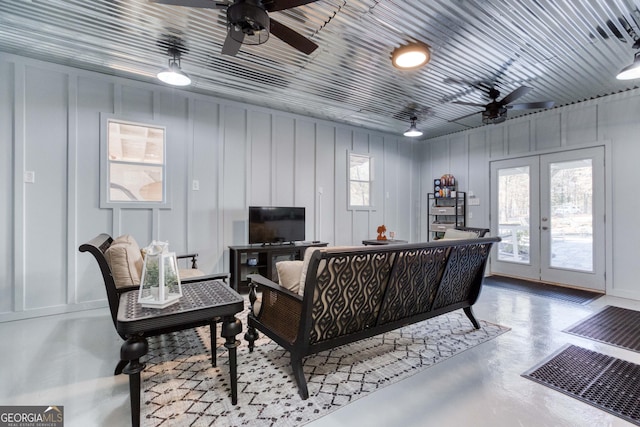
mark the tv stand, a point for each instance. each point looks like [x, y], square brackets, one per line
[278, 244]
[265, 256]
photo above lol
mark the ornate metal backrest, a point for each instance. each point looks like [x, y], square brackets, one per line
[414, 282]
[348, 291]
[463, 275]
[356, 289]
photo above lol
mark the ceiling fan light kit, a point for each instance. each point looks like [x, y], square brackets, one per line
[248, 23]
[413, 130]
[173, 74]
[411, 56]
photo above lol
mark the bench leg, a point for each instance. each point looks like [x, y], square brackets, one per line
[474, 321]
[230, 328]
[132, 350]
[213, 330]
[251, 336]
[298, 373]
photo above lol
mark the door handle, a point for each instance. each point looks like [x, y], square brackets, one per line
[545, 228]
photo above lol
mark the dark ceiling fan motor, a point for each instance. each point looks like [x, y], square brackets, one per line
[493, 116]
[248, 22]
[495, 112]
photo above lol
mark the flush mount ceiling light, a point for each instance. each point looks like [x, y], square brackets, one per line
[173, 74]
[632, 71]
[411, 56]
[413, 131]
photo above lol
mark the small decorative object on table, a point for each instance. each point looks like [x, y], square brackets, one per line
[160, 283]
[381, 230]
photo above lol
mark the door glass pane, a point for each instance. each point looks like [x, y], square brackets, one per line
[513, 214]
[571, 205]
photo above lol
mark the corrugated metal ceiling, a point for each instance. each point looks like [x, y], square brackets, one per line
[566, 51]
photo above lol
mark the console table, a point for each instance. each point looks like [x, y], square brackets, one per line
[201, 301]
[262, 259]
[375, 242]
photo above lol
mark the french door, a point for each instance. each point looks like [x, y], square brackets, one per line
[549, 211]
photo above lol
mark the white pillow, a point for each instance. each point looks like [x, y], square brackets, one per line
[125, 261]
[289, 273]
[305, 265]
[453, 234]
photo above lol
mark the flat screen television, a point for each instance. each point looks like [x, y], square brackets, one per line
[275, 224]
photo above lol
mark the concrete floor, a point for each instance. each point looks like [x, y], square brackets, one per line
[69, 359]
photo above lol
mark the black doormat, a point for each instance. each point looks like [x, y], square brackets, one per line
[602, 381]
[577, 296]
[612, 325]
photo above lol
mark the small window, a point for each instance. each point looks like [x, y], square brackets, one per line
[134, 165]
[360, 181]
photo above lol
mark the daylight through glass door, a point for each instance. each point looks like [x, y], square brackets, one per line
[571, 224]
[513, 214]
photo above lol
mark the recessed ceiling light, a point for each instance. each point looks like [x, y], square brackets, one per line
[411, 56]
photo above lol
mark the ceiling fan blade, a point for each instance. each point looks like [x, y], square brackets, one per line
[232, 46]
[480, 85]
[532, 105]
[465, 116]
[472, 104]
[205, 4]
[521, 91]
[292, 38]
[275, 5]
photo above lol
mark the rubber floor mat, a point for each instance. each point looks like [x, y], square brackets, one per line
[577, 296]
[612, 325]
[602, 381]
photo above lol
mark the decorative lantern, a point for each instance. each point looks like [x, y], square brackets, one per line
[160, 283]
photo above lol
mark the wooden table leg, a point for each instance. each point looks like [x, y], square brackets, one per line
[230, 328]
[132, 350]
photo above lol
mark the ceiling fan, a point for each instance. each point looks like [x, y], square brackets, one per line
[413, 109]
[248, 22]
[496, 111]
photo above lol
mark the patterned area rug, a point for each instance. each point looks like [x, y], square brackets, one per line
[181, 388]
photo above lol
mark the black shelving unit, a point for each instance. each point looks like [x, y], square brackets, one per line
[446, 212]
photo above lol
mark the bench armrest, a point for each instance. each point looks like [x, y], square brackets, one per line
[280, 309]
[194, 259]
[217, 276]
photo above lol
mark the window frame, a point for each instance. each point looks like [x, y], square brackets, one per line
[371, 181]
[105, 165]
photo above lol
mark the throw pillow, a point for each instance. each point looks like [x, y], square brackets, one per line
[125, 261]
[305, 264]
[289, 274]
[453, 234]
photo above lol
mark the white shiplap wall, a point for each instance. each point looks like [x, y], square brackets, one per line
[241, 155]
[610, 121]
